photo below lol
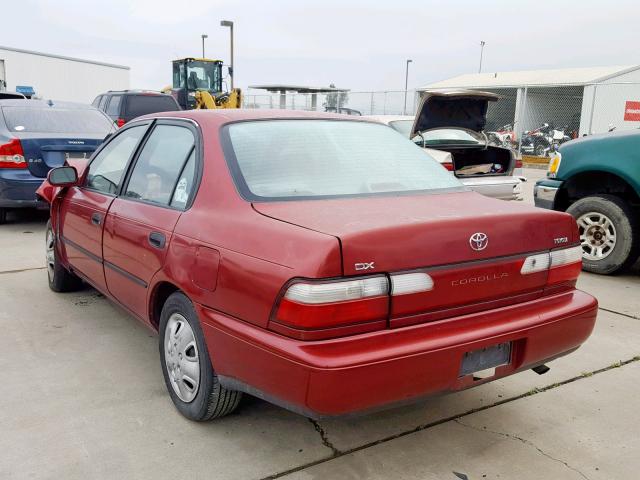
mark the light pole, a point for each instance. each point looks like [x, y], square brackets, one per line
[228, 23]
[481, 51]
[203, 37]
[406, 85]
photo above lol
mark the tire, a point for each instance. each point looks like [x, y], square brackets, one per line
[60, 279]
[609, 233]
[540, 150]
[182, 345]
[3, 215]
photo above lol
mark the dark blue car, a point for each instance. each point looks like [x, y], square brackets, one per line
[38, 135]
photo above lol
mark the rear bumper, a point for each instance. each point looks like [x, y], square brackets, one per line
[503, 188]
[18, 189]
[378, 369]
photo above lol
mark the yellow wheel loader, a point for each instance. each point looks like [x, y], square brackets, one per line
[197, 83]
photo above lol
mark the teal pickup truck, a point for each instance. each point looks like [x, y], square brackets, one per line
[597, 180]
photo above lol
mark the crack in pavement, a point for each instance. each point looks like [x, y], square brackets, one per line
[525, 441]
[3, 272]
[324, 437]
[341, 453]
[633, 317]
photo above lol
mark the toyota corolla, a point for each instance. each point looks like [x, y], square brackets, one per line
[317, 261]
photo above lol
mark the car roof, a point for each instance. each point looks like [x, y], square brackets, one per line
[133, 92]
[27, 103]
[229, 115]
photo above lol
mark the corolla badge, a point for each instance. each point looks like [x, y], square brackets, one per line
[478, 241]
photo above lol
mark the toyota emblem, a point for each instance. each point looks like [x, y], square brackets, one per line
[479, 241]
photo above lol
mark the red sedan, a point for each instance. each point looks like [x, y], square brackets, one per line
[321, 262]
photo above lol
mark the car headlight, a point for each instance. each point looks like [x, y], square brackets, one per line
[554, 164]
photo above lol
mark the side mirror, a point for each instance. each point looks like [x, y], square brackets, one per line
[63, 177]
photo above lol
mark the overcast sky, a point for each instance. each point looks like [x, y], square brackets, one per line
[361, 45]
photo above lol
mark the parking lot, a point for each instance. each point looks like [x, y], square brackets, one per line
[84, 397]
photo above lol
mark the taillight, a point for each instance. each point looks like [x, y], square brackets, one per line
[518, 163]
[448, 165]
[120, 122]
[563, 267]
[330, 305]
[313, 310]
[11, 155]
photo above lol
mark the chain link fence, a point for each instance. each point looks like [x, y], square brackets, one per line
[532, 120]
[355, 103]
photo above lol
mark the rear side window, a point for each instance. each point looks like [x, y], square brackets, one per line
[107, 168]
[161, 162]
[113, 109]
[56, 120]
[138, 105]
[103, 102]
[96, 102]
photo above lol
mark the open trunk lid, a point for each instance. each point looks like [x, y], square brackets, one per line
[437, 234]
[465, 109]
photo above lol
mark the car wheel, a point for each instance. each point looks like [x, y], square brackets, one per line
[191, 381]
[609, 233]
[3, 215]
[60, 279]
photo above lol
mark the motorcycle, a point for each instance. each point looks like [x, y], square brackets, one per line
[543, 140]
[505, 136]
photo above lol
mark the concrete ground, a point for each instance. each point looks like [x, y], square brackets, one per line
[83, 398]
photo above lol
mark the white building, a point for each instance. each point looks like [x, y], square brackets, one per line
[588, 100]
[57, 77]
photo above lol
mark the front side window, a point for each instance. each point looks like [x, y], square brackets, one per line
[157, 175]
[288, 159]
[107, 168]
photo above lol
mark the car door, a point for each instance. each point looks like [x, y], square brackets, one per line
[84, 208]
[141, 220]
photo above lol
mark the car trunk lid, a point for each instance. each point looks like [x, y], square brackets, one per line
[437, 234]
[464, 109]
[46, 151]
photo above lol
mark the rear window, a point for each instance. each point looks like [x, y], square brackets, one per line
[440, 136]
[290, 159]
[138, 105]
[56, 120]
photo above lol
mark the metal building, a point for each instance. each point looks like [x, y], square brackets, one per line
[586, 100]
[58, 77]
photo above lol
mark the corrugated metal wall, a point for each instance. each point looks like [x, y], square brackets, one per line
[61, 79]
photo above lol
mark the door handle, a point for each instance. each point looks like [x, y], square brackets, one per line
[96, 218]
[157, 240]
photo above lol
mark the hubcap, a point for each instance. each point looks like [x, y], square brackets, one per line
[597, 235]
[50, 254]
[181, 358]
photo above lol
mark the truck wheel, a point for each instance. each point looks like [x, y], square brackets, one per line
[609, 233]
[60, 279]
[192, 383]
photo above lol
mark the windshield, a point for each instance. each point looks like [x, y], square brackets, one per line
[441, 136]
[56, 120]
[288, 159]
[203, 75]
